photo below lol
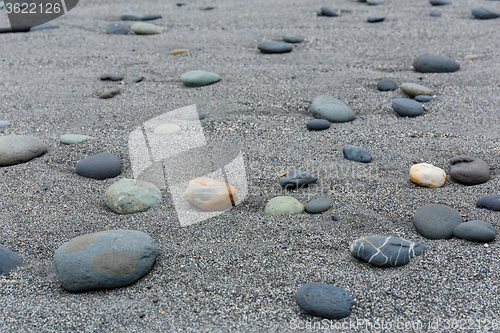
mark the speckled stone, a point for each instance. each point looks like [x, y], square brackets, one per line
[199, 78]
[429, 63]
[331, 109]
[141, 28]
[327, 11]
[100, 166]
[297, 179]
[476, 231]
[436, 221]
[318, 124]
[491, 202]
[318, 205]
[485, 13]
[413, 89]
[469, 170]
[324, 300]
[274, 46]
[69, 139]
[167, 129]
[292, 39]
[386, 85]
[16, 149]
[8, 260]
[356, 154]
[407, 107]
[128, 196]
[283, 205]
[211, 195]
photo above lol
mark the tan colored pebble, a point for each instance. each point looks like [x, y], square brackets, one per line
[178, 51]
[425, 174]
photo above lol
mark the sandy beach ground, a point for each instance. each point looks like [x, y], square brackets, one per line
[240, 271]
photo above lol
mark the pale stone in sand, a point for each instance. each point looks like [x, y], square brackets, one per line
[425, 174]
[211, 195]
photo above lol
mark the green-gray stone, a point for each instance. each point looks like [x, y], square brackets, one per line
[141, 28]
[131, 17]
[199, 78]
[283, 205]
[129, 196]
[69, 139]
[331, 109]
[292, 39]
[414, 89]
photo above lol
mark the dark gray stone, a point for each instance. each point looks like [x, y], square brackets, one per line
[356, 154]
[45, 26]
[429, 63]
[180, 4]
[375, 19]
[436, 221]
[15, 149]
[327, 11]
[8, 260]
[111, 77]
[274, 46]
[485, 13]
[131, 17]
[385, 251]
[440, 2]
[108, 259]
[110, 93]
[386, 85]
[423, 98]
[324, 300]
[100, 166]
[297, 179]
[318, 205]
[292, 39]
[476, 231]
[435, 14]
[469, 170]
[407, 108]
[151, 17]
[318, 124]
[491, 202]
[115, 28]
[331, 109]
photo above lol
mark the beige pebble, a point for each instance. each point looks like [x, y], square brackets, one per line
[425, 174]
[211, 195]
[471, 57]
[178, 51]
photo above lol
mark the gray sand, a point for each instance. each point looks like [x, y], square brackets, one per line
[239, 271]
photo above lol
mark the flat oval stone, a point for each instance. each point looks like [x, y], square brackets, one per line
[274, 46]
[327, 11]
[108, 259]
[69, 139]
[199, 78]
[436, 221]
[331, 109]
[4, 123]
[141, 28]
[375, 2]
[318, 205]
[375, 19]
[111, 77]
[8, 260]
[100, 166]
[385, 251]
[114, 28]
[318, 124]
[292, 39]
[16, 149]
[425, 174]
[136, 78]
[131, 17]
[435, 14]
[110, 93]
[423, 98]
[177, 51]
[194, 116]
[324, 300]
[386, 85]
[356, 154]
[407, 108]
[491, 202]
[211, 195]
[167, 129]
[283, 205]
[485, 13]
[413, 89]
[429, 63]
[151, 17]
[476, 231]
[129, 196]
[469, 170]
[439, 2]
[297, 179]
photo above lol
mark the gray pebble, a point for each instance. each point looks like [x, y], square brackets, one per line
[100, 166]
[292, 39]
[327, 11]
[16, 149]
[324, 300]
[318, 205]
[331, 109]
[476, 231]
[110, 93]
[407, 108]
[114, 28]
[273, 46]
[439, 2]
[436, 221]
[429, 63]
[423, 98]
[386, 85]
[8, 260]
[356, 154]
[485, 13]
[297, 179]
[151, 17]
[375, 19]
[318, 124]
[111, 77]
[469, 170]
[491, 202]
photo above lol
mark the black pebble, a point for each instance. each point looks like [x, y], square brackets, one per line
[375, 19]
[334, 218]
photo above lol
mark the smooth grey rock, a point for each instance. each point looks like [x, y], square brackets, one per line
[327, 11]
[318, 205]
[100, 166]
[439, 2]
[407, 108]
[69, 139]
[8, 260]
[199, 78]
[491, 202]
[115, 28]
[292, 39]
[436, 221]
[435, 14]
[331, 109]
[429, 63]
[274, 46]
[151, 17]
[476, 231]
[45, 26]
[15, 149]
[141, 28]
[111, 77]
[110, 93]
[4, 123]
[128, 196]
[423, 98]
[375, 19]
[356, 154]
[469, 170]
[108, 259]
[131, 17]
[386, 85]
[375, 2]
[297, 179]
[414, 89]
[136, 78]
[318, 124]
[485, 13]
[324, 300]
[385, 251]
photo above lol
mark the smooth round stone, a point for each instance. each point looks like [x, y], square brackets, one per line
[283, 205]
[435, 14]
[436, 221]
[167, 129]
[69, 139]
[429, 63]
[327, 11]
[110, 93]
[297, 179]
[425, 174]
[475, 231]
[491, 202]
[407, 108]
[356, 154]
[4, 123]
[485, 13]
[274, 46]
[131, 17]
[375, 19]
[100, 166]
[292, 39]
[194, 116]
[423, 98]
[177, 51]
[318, 124]
[136, 78]
[8, 260]
[386, 85]
[141, 28]
[114, 28]
[375, 2]
[324, 300]
[16, 149]
[108, 259]
[129, 196]
[331, 109]
[469, 170]
[318, 205]
[45, 26]
[439, 2]
[111, 77]
[385, 251]
[199, 78]
[414, 89]
[151, 17]
[211, 195]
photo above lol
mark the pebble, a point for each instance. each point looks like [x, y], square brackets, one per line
[356, 154]
[69, 139]
[429, 63]
[425, 174]
[128, 196]
[297, 179]
[485, 13]
[114, 28]
[131, 17]
[327, 11]
[45, 26]
[167, 129]
[4, 123]
[199, 78]
[469, 170]
[274, 46]
[180, 4]
[137, 78]
[151, 17]
[407, 108]
[375, 19]
[111, 77]
[475, 231]
[177, 51]
[16, 149]
[414, 89]
[439, 2]
[386, 85]
[110, 93]
[100, 166]
[375, 2]
[292, 39]
[324, 300]
[141, 28]
[108, 259]
[211, 195]
[283, 205]
[436, 221]
[423, 98]
[491, 202]
[194, 116]
[331, 109]
[435, 14]
[471, 57]
[318, 124]
[385, 251]
[318, 205]
[8, 260]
